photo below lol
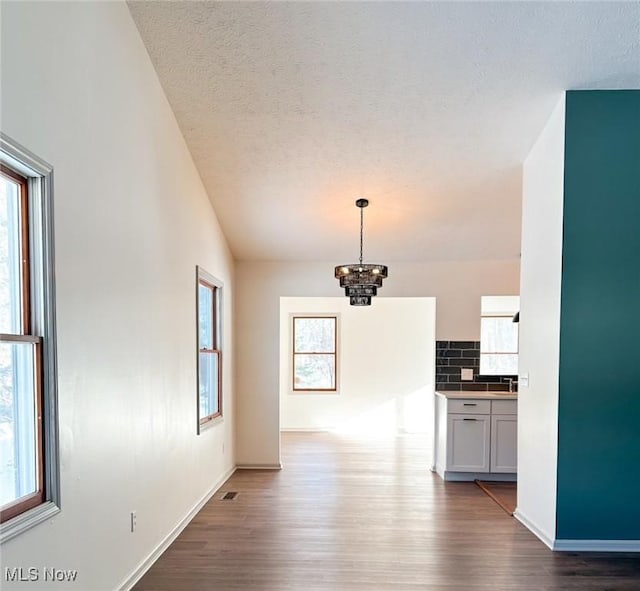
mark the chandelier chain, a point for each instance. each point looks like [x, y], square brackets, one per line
[361, 232]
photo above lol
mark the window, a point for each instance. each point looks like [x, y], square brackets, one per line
[499, 335]
[29, 490]
[314, 353]
[209, 297]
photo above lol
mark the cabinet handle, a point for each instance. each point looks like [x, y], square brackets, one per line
[469, 404]
[469, 419]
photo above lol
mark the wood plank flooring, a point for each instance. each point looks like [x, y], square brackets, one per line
[350, 514]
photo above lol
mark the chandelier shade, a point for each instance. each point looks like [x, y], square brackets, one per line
[361, 290]
[359, 280]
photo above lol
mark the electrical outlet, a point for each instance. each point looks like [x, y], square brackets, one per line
[466, 374]
[134, 521]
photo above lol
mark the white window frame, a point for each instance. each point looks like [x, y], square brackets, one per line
[292, 353]
[203, 276]
[39, 175]
[495, 309]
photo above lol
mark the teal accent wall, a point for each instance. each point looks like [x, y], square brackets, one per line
[599, 403]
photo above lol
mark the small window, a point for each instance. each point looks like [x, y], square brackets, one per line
[28, 427]
[209, 298]
[315, 353]
[499, 336]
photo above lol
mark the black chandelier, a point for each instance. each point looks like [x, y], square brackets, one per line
[360, 281]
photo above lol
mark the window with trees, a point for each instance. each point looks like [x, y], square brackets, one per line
[315, 342]
[29, 490]
[209, 306]
[499, 335]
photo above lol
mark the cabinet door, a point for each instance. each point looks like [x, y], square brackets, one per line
[468, 443]
[504, 443]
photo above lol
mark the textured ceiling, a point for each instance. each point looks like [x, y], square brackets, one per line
[293, 110]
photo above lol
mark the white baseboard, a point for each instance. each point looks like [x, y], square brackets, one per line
[578, 545]
[259, 466]
[597, 545]
[146, 564]
[531, 526]
[471, 476]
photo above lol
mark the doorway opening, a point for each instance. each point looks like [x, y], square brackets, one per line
[384, 366]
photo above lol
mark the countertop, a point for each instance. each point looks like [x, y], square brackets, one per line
[453, 394]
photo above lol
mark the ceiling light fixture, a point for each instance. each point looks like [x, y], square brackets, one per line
[360, 281]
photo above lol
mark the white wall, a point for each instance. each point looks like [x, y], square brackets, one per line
[499, 305]
[457, 287]
[386, 364]
[132, 220]
[543, 184]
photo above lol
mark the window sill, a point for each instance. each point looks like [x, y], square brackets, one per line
[27, 520]
[210, 423]
[315, 392]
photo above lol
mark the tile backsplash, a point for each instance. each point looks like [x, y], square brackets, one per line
[452, 357]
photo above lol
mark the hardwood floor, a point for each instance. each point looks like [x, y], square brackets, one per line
[348, 514]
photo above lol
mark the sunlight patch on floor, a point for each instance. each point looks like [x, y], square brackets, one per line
[409, 413]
